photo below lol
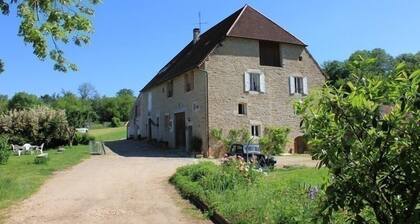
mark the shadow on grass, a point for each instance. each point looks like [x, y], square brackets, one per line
[133, 148]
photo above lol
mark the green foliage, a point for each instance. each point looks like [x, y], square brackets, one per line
[196, 144]
[381, 64]
[79, 112]
[4, 149]
[82, 139]
[280, 196]
[3, 104]
[22, 100]
[36, 126]
[49, 22]
[274, 140]
[234, 136]
[115, 122]
[366, 133]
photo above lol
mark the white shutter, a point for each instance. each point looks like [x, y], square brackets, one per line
[292, 85]
[247, 82]
[262, 82]
[149, 102]
[305, 86]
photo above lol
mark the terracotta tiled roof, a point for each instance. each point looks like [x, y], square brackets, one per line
[244, 23]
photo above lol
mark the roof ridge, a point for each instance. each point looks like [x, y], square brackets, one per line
[272, 21]
[237, 18]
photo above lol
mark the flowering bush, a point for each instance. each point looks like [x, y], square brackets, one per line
[4, 150]
[36, 126]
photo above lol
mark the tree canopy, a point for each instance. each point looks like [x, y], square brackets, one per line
[382, 64]
[47, 24]
[22, 100]
[366, 132]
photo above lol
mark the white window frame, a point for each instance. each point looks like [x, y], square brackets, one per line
[247, 81]
[293, 85]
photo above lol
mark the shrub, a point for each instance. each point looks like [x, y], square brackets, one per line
[274, 140]
[244, 195]
[234, 136]
[4, 149]
[36, 126]
[115, 122]
[367, 133]
[196, 144]
[82, 139]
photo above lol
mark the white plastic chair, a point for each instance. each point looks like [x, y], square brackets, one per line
[17, 149]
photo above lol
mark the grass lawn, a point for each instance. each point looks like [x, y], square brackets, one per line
[20, 177]
[108, 134]
[281, 196]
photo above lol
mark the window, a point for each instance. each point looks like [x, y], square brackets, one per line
[189, 81]
[149, 102]
[298, 85]
[242, 108]
[254, 81]
[255, 130]
[170, 88]
[270, 54]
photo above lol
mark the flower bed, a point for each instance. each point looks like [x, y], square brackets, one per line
[244, 195]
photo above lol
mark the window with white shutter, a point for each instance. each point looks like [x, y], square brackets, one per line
[305, 86]
[254, 80]
[291, 85]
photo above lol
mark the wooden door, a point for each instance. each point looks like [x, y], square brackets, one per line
[180, 130]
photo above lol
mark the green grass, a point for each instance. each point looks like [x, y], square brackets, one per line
[20, 177]
[109, 134]
[278, 197]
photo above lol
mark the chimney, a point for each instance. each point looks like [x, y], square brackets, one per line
[196, 35]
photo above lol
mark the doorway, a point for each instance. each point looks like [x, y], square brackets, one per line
[180, 130]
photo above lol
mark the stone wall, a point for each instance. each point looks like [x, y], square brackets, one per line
[181, 101]
[226, 67]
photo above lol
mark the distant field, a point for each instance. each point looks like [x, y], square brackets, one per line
[109, 134]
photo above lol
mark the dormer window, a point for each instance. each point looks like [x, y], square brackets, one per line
[270, 54]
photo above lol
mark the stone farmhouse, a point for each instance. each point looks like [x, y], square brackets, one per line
[244, 72]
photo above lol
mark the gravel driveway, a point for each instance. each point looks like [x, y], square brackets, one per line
[128, 185]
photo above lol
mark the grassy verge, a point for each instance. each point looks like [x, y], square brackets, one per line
[20, 177]
[108, 134]
[279, 197]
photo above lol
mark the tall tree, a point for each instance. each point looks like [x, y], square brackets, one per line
[412, 61]
[1, 66]
[87, 91]
[383, 64]
[22, 100]
[47, 23]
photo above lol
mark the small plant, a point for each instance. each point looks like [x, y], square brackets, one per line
[115, 122]
[4, 150]
[196, 144]
[82, 139]
[234, 136]
[274, 140]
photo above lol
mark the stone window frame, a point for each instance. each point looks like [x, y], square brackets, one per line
[244, 109]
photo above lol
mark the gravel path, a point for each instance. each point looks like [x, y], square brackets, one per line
[128, 185]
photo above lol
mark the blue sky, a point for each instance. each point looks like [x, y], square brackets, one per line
[134, 39]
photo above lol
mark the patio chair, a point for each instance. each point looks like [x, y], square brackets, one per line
[17, 149]
[38, 148]
[27, 148]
